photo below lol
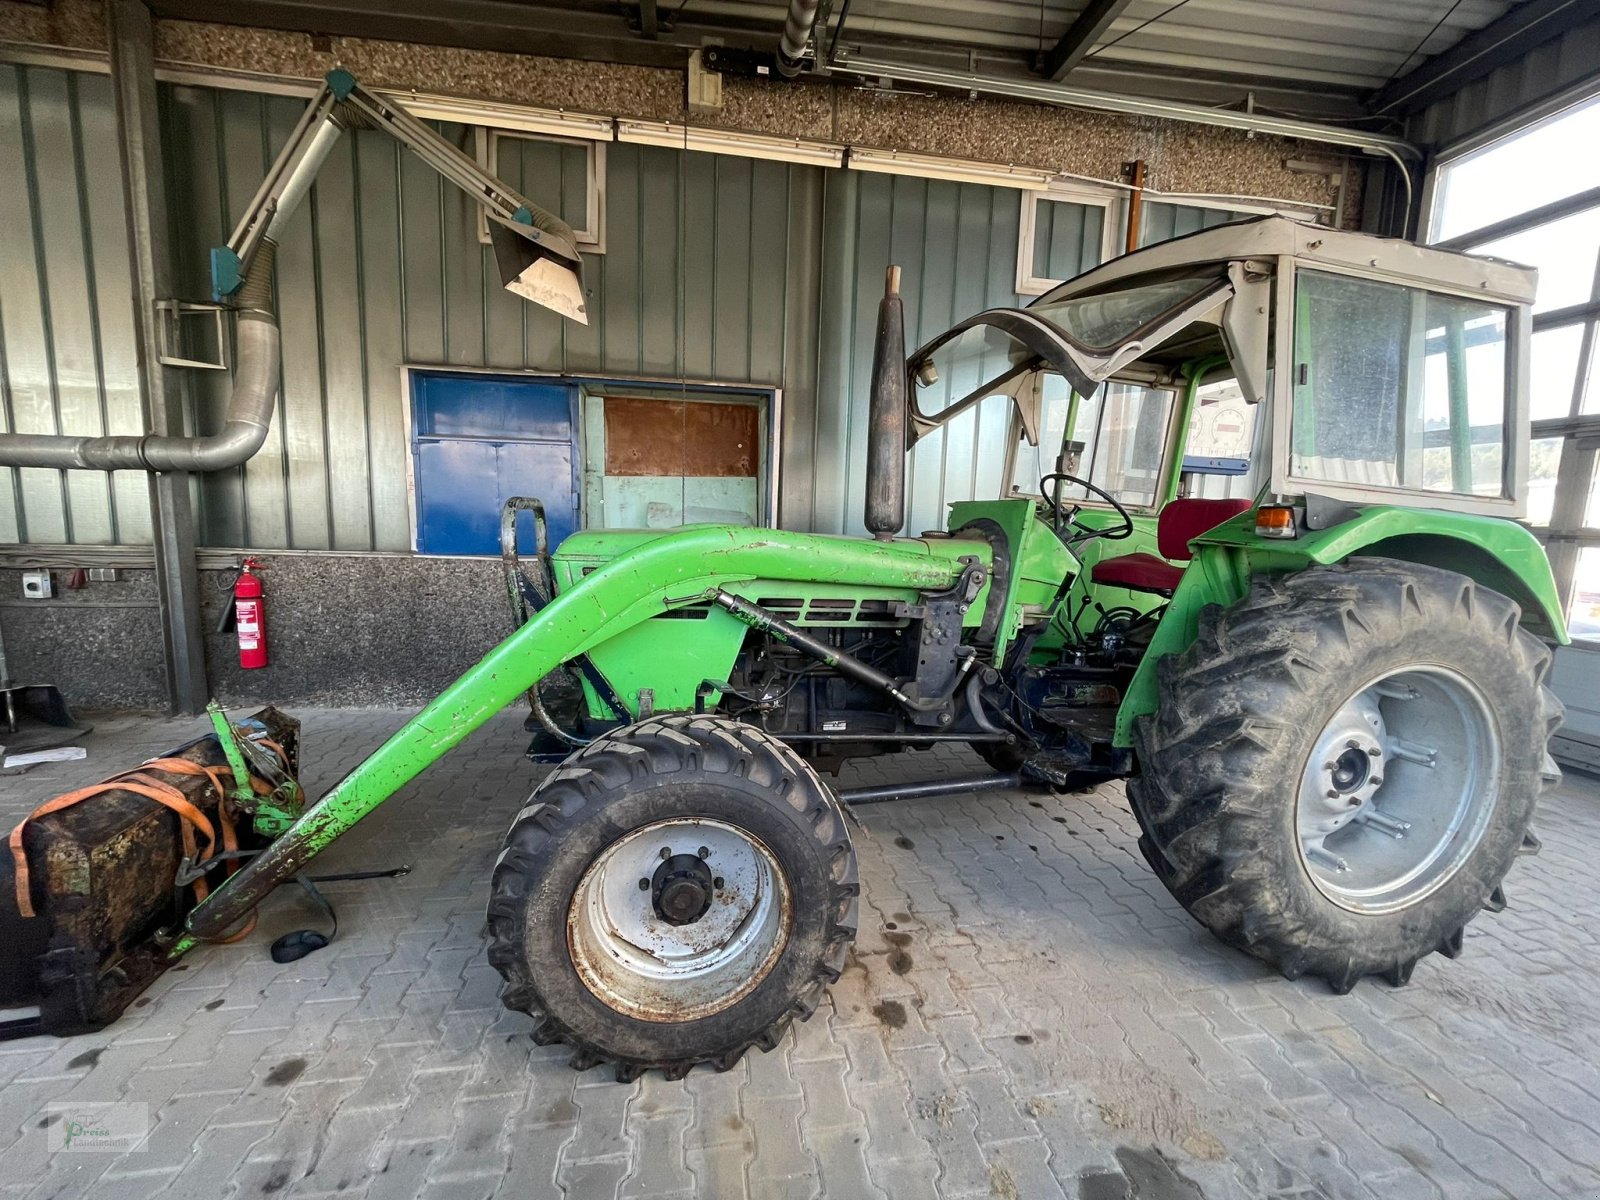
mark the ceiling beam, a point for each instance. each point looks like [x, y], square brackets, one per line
[1076, 97]
[1081, 37]
[1475, 55]
[597, 32]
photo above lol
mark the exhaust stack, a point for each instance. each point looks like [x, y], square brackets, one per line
[885, 510]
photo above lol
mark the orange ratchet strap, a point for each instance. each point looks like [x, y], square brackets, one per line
[190, 819]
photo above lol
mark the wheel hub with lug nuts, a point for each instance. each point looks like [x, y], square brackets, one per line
[1348, 762]
[678, 919]
[682, 888]
[1398, 788]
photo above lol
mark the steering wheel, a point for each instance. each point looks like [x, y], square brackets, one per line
[1058, 518]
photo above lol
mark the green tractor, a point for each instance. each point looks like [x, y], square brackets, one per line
[1255, 551]
[1326, 690]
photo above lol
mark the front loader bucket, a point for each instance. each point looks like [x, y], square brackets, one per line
[107, 872]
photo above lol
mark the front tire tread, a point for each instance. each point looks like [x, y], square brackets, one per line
[640, 754]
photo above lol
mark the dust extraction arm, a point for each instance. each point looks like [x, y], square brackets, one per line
[535, 252]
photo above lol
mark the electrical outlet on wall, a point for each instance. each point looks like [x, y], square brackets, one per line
[36, 585]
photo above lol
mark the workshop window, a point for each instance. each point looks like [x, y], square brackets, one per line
[654, 461]
[566, 176]
[1550, 220]
[1219, 459]
[1064, 232]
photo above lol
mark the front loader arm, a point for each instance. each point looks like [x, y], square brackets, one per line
[647, 580]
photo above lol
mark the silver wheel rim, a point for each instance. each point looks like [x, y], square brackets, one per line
[633, 954]
[1398, 789]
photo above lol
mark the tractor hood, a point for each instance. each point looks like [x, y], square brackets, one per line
[602, 545]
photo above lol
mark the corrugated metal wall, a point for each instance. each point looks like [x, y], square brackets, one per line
[67, 360]
[717, 269]
[957, 246]
[386, 269]
[1544, 72]
[713, 271]
[706, 259]
[1160, 221]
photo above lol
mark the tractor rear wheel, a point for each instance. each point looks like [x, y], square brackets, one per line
[1344, 765]
[674, 893]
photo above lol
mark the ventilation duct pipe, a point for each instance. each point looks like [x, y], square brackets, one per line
[255, 390]
[797, 27]
[538, 258]
[255, 375]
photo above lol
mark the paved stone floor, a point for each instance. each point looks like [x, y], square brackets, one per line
[1027, 1014]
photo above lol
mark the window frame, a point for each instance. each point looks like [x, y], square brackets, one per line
[770, 484]
[591, 238]
[1115, 215]
[593, 393]
[1514, 467]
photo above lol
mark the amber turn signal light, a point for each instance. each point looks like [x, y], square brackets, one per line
[1275, 521]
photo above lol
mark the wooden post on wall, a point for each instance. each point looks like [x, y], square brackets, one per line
[1135, 205]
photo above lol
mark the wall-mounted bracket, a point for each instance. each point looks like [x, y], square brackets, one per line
[170, 315]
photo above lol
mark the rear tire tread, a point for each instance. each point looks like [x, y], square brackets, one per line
[1209, 780]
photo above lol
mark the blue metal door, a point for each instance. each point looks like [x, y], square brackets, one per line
[480, 439]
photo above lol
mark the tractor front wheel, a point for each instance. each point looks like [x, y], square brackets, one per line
[676, 892]
[1345, 764]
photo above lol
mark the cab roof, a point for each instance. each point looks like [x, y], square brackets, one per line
[1267, 238]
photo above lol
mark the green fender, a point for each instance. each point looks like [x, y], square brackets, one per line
[1499, 554]
[633, 587]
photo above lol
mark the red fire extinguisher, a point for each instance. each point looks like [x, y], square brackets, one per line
[250, 616]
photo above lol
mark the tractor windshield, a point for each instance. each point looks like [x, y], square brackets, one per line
[1084, 340]
[1116, 438]
[1104, 322]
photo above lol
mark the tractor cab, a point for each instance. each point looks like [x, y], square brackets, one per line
[1148, 406]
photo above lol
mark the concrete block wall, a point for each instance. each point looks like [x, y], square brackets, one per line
[342, 629]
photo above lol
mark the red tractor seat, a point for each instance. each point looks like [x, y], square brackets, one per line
[1180, 522]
